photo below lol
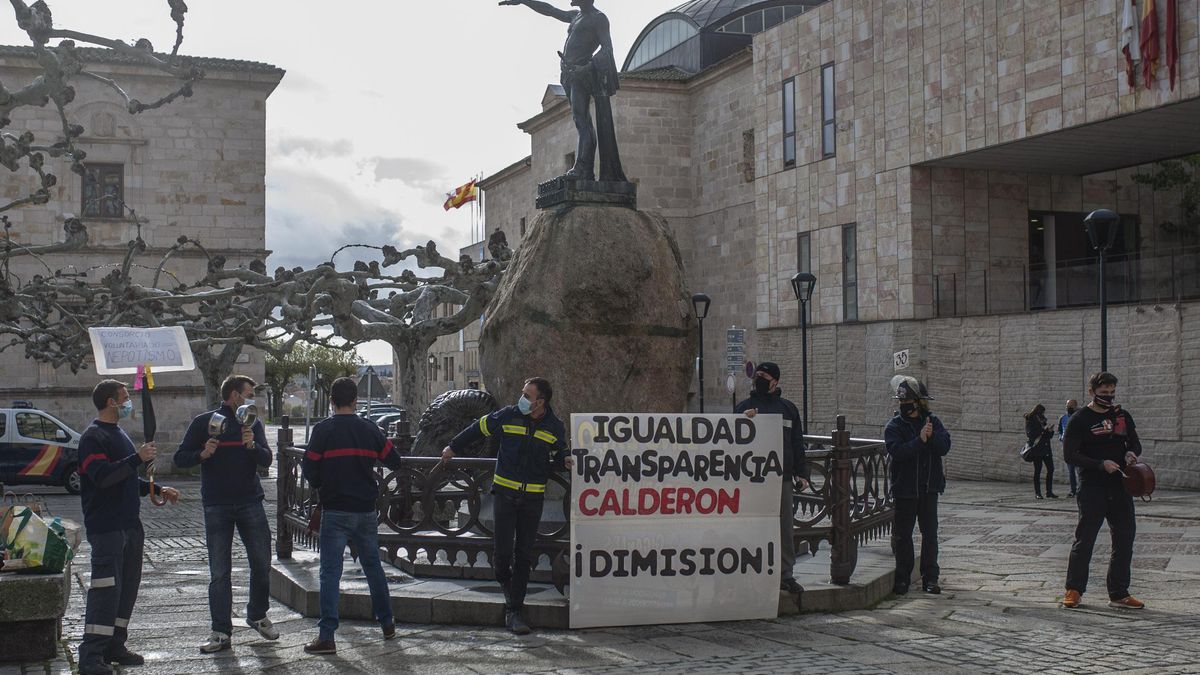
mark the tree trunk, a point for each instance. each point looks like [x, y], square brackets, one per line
[215, 368]
[412, 377]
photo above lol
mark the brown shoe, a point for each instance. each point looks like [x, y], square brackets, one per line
[319, 646]
[389, 631]
[1127, 602]
[1072, 599]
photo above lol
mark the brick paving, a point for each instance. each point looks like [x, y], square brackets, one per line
[1003, 561]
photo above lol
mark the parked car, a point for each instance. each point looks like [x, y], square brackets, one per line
[37, 448]
[386, 421]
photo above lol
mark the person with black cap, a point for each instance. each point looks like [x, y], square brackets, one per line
[767, 399]
[916, 442]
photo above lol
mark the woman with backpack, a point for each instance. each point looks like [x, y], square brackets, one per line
[1039, 431]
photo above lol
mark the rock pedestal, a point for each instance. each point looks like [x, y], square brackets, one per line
[595, 302]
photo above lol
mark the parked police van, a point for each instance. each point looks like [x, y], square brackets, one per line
[36, 448]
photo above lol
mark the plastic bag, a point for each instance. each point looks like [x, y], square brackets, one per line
[41, 544]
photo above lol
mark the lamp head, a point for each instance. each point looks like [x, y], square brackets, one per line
[700, 303]
[1102, 228]
[803, 284]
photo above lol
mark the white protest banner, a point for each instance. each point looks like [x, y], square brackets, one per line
[119, 351]
[674, 518]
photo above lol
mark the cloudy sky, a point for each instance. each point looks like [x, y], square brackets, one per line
[386, 105]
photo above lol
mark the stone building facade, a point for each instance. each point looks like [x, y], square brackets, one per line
[931, 163]
[195, 167]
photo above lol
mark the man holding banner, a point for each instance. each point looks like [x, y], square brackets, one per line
[533, 442]
[229, 460]
[767, 398]
[111, 492]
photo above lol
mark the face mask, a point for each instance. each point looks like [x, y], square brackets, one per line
[126, 409]
[1070, 411]
[1104, 401]
[907, 409]
[524, 405]
[761, 386]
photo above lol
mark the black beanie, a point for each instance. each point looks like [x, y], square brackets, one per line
[768, 368]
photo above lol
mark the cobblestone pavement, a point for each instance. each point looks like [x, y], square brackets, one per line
[1003, 560]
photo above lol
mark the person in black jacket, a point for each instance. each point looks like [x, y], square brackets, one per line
[339, 463]
[1101, 440]
[533, 442]
[767, 399]
[916, 442]
[1039, 431]
[111, 493]
[233, 499]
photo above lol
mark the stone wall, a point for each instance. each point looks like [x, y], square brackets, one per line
[195, 168]
[914, 82]
[986, 372]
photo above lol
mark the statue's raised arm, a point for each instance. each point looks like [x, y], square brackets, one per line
[543, 8]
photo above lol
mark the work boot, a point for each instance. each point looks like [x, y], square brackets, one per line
[790, 586]
[94, 668]
[1072, 599]
[516, 624]
[321, 647]
[123, 657]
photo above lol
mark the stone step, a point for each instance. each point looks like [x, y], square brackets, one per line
[479, 602]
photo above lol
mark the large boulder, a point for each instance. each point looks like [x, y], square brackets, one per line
[595, 302]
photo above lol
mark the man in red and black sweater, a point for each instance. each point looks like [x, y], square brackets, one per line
[233, 499]
[111, 493]
[340, 464]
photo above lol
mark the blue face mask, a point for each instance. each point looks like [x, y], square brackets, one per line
[524, 405]
[126, 409]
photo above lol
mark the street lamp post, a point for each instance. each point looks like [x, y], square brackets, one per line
[370, 376]
[1102, 229]
[700, 303]
[802, 285]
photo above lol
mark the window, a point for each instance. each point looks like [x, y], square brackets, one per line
[446, 368]
[3, 424]
[789, 122]
[451, 372]
[32, 425]
[772, 17]
[103, 191]
[828, 119]
[804, 261]
[849, 273]
[662, 38]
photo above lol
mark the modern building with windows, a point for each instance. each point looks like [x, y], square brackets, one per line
[931, 164]
[196, 167]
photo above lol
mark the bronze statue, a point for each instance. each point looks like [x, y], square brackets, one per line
[589, 72]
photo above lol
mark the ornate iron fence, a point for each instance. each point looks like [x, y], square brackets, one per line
[435, 519]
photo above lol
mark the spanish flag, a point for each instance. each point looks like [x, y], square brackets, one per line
[460, 196]
[1149, 37]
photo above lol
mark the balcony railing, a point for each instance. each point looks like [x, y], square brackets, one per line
[433, 521]
[1130, 278]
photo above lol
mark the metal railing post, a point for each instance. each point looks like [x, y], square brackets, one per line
[843, 550]
[283, 536]
[937, 296]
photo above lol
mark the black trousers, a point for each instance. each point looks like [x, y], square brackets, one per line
[910, 512]
[1098, 503]
[517, 518]
[116, 576]
[1046, 460]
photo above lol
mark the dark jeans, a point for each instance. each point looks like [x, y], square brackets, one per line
[517, 518]
[1098, 503]
[337, 529]
[116, 576]
[250, 520]
[910, 512]
[1073, 473]
[1046, 460]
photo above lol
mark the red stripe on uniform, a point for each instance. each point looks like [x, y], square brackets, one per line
[351, 452]
[387, 449]
[89, 459]
[314, 456]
